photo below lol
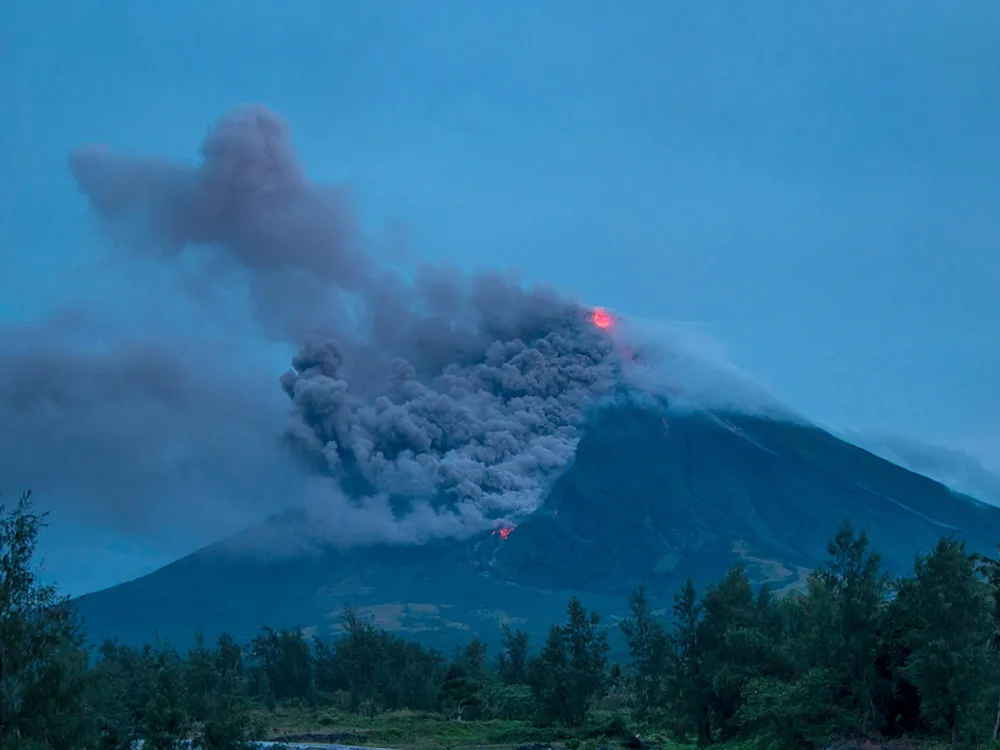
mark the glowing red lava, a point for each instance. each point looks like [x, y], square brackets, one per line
[601, 318]
[504, 532]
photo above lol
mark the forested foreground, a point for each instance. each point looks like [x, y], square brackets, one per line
[855, 653]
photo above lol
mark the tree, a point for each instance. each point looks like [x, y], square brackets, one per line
[114, 696]
[474, 659]
[227, 724]
[201, 676]
[464, 682]
[738, 643]
[789, 714]
[549, 679]
[950, 663]
[512, 661]
[283, 663]
[588, 659]
[43, 664]
[648, 647]
[856, 587]
[359, 653]
[821, 659]
[897, 699]
[989, 568]
[687, 688]
[571, 669]
[164, 718]
[461, 693]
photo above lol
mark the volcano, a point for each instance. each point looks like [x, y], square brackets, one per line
[650, 498]
[452, 398]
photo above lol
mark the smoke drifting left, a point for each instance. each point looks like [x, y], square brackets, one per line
[423, 401]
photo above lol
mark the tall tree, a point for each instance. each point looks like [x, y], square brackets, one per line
[228, 723]
[571, 669]
[897, 698]
[737, 645]
[114, 695]
[474, 659]
[359, 653]
[512, 661]
[164, 714]
[648, 647]
[856, 588]
[201, 676]
[950, 662]
[550, 679]
[989, 568]
[285, 662]
[588, 660]
[43, 665]
[687, 688]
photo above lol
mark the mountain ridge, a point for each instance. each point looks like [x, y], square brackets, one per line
[651, 497]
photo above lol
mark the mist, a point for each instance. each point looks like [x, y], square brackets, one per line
[953, 467]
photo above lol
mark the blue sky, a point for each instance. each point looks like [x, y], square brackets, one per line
[817, 184]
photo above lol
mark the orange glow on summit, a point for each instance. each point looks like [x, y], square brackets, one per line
[504, 532]
[601, 318]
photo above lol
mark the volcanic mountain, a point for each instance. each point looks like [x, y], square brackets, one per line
[444, 402]
[651, 497]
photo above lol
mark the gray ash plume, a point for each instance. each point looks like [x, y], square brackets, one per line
[463, 394]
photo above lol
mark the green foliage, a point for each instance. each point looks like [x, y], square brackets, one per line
[508, 702]
[227, 723]
[377, 670]
[43, 666]
[854, 588]
[461, 695]
[571, 670]
[512, 662]
[737, 646]
[949, 662]
[854, 652]
[687, 693]
[163, 713]
[800, 714]
[114, 696]
[648, 647]
[281, 662]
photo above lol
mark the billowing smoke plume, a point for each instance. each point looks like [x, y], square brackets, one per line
[420, 401]
[447, 397]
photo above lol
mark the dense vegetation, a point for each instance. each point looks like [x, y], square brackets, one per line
[855, 651]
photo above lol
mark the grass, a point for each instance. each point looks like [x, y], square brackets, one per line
[407, 730]
[414, 730]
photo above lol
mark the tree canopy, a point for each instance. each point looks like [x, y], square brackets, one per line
[854, 650]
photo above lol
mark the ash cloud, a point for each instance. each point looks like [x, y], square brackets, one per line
[144, 433]
[442, 401]
[420, 402]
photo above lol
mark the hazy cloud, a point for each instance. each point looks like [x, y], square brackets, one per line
[953, 467]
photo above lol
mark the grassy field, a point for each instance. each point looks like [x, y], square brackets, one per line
[409, 730]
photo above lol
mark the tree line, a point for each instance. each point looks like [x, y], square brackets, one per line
[855, 649]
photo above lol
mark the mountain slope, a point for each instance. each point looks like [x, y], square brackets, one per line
[649, 499]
